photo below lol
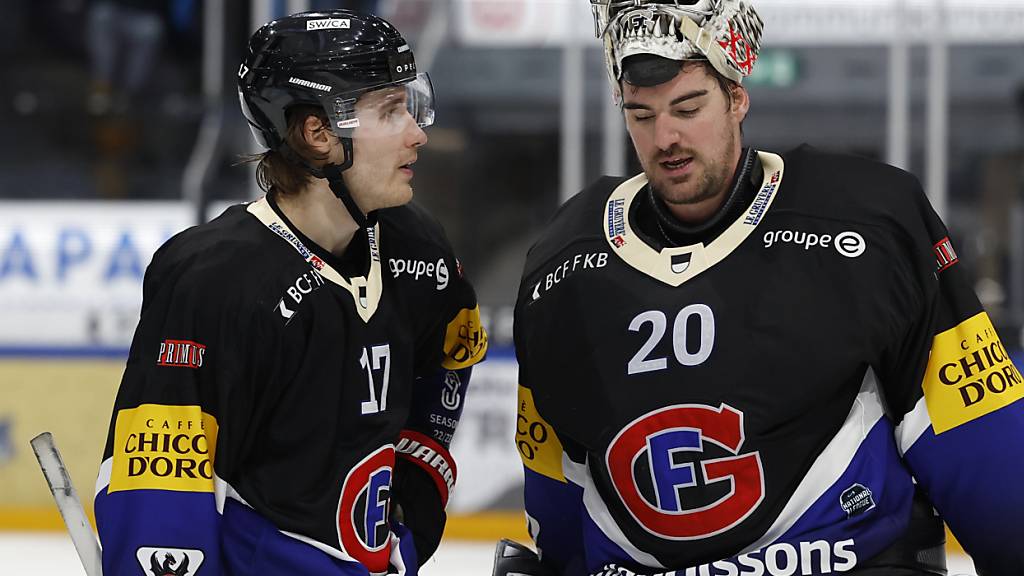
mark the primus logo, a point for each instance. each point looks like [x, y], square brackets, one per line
[328, 23]
[849, 244]
[181, 353]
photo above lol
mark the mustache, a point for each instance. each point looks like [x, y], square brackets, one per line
[675, 151]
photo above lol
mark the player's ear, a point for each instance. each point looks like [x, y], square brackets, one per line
[740, 101]
[317, 135]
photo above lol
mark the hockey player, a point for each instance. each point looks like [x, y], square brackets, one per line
[745, 363]
[291, 391]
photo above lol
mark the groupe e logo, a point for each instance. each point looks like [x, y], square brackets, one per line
[849, 244]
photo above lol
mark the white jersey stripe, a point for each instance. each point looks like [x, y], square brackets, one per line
[223, 490]
[914, 424]
[103, 478]
[579, 474]
[833, 461]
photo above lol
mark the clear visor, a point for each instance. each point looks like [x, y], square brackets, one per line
[383, 111]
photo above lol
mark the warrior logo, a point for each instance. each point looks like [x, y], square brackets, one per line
[646, 462]
[363, 510]
[169, 561]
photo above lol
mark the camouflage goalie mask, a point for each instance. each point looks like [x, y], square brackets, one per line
[726, 33]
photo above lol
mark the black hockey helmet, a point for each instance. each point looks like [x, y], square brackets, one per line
[325, 59]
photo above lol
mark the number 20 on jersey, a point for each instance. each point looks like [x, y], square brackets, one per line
[693, 317]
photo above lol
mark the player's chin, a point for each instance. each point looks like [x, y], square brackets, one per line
[403, 194]
[676, 190]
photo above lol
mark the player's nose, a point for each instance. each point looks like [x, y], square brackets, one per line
[666, 134]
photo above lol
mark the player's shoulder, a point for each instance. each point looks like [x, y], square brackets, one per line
[233, 254]
[848, 186]
[234, 236]
[577, 220]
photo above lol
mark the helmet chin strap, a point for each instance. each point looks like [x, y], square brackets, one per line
[332, 173]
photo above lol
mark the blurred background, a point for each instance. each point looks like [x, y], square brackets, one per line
[121, 126]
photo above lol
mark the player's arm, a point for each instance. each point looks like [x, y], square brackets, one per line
[554, 503]
[425, 471]
[156, 504]
[959, 395]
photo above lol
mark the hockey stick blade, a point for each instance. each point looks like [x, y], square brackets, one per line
[70, 506]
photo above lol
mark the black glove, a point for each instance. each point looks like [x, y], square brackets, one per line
[417, 506]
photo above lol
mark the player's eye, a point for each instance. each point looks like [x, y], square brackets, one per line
[687, 113]
[642, 117]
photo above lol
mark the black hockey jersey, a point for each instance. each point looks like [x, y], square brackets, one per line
[274, 394]
[762, 403]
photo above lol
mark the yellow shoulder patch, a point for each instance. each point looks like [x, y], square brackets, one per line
[163, 447]
[538, 445]
[969, 374]
[465, 340]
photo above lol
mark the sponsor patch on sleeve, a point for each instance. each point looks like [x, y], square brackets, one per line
[539, 447]
[465, 340]
[181, 354]
[433, 458]
[945, 256]
[163, 447]
[969, 374]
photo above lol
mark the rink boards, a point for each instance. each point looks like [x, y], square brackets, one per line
[71, 397]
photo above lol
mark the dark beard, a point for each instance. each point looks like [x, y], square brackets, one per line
[709, 187]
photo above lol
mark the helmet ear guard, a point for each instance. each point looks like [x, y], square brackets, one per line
[726, 33]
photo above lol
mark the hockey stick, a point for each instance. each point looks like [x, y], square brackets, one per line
[64, 494]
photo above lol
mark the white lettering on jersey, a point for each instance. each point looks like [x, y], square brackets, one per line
[416, 268]
[640, 362]
[567, 267]
[849, 244]
[815, 557]
[304, 284]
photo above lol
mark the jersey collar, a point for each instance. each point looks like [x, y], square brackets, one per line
[673, 266]
[365, 290]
